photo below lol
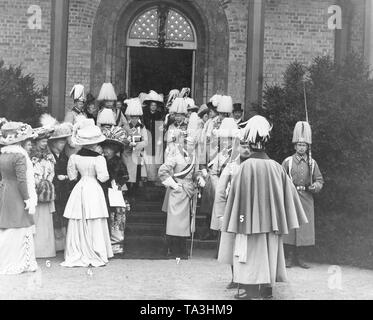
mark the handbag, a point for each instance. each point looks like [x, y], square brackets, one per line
[116, 198]
[45, 191]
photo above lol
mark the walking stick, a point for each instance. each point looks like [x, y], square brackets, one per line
[193, 223]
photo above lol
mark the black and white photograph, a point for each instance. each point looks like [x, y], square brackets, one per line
[202, 151]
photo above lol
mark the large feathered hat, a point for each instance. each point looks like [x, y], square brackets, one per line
[107, 92]
[184, 93]
[14, 132]
[228, 129]
[257, 132]
[173, 94]
[215, 100]
[302, 132]
[134, 107]
[153, 96]
[60, 130]
[225, 104]
[115, 135]
[77, 92]
[106, 116]
[85, 132]
[179, 105]
[191, 104]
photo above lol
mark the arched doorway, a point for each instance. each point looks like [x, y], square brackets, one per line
[161, 49]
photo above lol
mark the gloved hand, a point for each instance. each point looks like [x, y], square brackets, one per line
[204, 173]
[61, 177]
[114, 186]
[30, 206]
[201, 182]
[169, 182]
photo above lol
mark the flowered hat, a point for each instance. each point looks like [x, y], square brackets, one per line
[115, 135]
[85, 132]
[62, 130]
[14, 132]
[204, 109]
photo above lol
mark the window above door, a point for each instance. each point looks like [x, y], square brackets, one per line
[162, 27]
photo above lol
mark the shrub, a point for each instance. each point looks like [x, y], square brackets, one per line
[20, 99]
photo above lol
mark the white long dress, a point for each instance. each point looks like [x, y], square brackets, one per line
[87, 239]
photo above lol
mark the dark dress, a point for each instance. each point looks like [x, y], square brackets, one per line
[117, 216]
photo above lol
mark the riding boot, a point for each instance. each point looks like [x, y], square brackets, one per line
[300, 259]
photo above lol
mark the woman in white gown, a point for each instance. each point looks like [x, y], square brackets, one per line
[88, 239]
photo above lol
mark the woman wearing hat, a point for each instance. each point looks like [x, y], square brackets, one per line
[43, 162]
[88, 239]
[62, 186]
[262, 206]
[113, 147]
[133, 154]
[18, 200]
[153, 120]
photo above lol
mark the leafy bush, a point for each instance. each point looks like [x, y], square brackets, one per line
[340, 108]
[20, 99]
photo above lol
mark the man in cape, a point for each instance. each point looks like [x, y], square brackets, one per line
[262, 206]
[308, 180]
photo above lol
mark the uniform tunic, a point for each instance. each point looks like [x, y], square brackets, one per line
[178, 202]
[134, 156]
[300, 174]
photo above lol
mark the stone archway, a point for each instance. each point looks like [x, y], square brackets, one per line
[109, 54]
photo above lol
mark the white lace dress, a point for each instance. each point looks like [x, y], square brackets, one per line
[87, 239]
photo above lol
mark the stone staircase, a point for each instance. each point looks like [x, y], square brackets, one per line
[146, 225]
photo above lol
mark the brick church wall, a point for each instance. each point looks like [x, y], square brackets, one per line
[20, 45]
[294, 30]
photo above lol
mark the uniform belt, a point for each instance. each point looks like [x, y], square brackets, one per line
[301, 188]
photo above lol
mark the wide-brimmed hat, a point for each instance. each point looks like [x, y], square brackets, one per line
[107, 92]
[85, 132]
[134, 108]
[43, 133]
[115, 135]
[204, 109]
[153, 96]
[61, 131]
[106, 116]
[14, 132]
[302, 132]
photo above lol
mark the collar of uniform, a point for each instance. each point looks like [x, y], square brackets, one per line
[299, 158]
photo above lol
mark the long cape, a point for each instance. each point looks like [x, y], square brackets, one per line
[262, 199]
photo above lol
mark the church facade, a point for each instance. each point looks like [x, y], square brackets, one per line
[232, 47]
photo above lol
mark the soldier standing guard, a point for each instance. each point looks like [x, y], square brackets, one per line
[306, 176]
